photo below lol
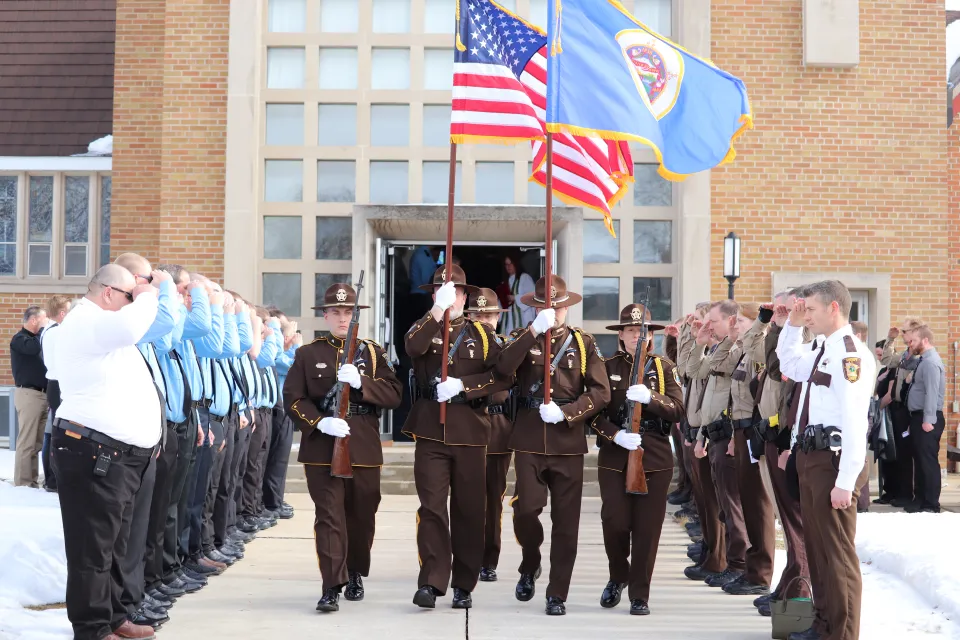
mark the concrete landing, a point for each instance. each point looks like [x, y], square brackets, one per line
[273, 591]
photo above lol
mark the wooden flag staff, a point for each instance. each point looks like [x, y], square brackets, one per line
[447, 272]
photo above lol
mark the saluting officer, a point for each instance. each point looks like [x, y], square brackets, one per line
[346, 508]
[549, 439]
[484, 306]
[635, 519]
[450, 457]
[831, 435]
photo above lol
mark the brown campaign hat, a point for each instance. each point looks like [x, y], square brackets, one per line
[559, 297]
[484, 301]
[458, 276]
[634, 315]
[339, 294]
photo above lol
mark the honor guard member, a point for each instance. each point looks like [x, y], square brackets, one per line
[831, 435]
[346, 508]
[484, 306]
[635, 520]
[550, 439]
[450, 458]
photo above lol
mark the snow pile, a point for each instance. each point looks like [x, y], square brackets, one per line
[101, 146]
[17, 623]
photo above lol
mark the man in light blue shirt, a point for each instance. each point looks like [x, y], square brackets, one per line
[281, 436]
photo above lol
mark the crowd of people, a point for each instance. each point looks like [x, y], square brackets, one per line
[169, 444]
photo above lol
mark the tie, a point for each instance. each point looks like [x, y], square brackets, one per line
[805, 414]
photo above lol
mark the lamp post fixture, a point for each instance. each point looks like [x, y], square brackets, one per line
[731, 261]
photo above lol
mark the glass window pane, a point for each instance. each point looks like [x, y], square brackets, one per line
[39, 260]
[392, 16]
[608, 343]
[285, 124]
[656, 14]
[336, 181]
[287, 16]
[334, 238]
[653, 241]
[8, 208]
[388, 182]
[598, 244]
[537, 194]
[281, 237]
[282, 290]
[283, 181]
[41, 209]
[436, 125]
[436, 182]
[390, 69]
[651, 190]
[661, 296]
[75, 260]
[339, 16]
[285, 68]
[601, 298]
[106, 192]
[439, 16]
[390, 125]
[322, 282]
[8, 259]
[5, 416]
[438, 69]
[538, 13]
[338, 68]
[494, 183]
[337, 125]
[76, 220]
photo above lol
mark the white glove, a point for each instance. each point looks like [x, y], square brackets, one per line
[551, 413]
[334, 427]
[449, 388]
[446, 296]
[544, 321]
[351, 375]
[627, 440]
[639, 393]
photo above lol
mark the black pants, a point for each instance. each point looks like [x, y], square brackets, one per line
[177, 512]
[239, 467]
[131, 567]
[97, 512]
[256, 461]
[198, 484]
[49, 475]
[926, 459]
[159, 505]
[904, 463]
[220, 455]
[278, 457]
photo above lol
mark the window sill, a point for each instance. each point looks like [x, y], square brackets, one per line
[75, 286]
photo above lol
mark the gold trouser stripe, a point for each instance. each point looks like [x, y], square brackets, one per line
[417, 539]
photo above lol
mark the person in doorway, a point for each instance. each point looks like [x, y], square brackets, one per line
[925, 403]
[515, 286]
[30, 396]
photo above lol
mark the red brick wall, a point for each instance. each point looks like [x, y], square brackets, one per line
[952, 296]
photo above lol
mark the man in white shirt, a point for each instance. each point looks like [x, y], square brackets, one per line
[106, 430]
[832, 437]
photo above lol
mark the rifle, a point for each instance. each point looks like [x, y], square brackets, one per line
[340, 465]
[636, 476]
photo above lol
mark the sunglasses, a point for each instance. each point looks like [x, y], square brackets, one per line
[127, 294]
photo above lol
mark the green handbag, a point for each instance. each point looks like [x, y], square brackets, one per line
[793, 615]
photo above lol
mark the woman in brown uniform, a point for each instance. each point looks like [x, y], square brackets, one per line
[626, 518]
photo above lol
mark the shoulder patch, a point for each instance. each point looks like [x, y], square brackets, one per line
[676, 377]
[851, 369]
[849, 343]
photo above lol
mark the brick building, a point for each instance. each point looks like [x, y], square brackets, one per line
[279, 144]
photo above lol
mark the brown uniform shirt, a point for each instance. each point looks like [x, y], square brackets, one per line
[580, 377]
[666, 403]
[501, 426]
[465, 424]
[313, 373]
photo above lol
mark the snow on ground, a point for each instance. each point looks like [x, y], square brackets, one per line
[7, 458]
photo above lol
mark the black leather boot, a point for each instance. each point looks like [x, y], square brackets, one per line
[330, 601]
[611, 594]
[354, 591]
[527, 585]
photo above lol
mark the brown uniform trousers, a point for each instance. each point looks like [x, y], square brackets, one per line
[450, 459]
[549, 457]
[345, 508]
[632, 523]
[498, 465]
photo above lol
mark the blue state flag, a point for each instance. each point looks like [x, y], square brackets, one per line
[610, 75]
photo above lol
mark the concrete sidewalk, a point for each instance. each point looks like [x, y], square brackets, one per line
[273, 591]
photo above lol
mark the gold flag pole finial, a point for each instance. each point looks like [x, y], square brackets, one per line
[460, 46]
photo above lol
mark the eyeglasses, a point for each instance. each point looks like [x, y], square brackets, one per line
[148, 278]
[127, 294]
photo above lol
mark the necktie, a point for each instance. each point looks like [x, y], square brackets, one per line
[805, 414]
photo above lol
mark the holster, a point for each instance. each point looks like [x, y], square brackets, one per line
[820, 438]
[721, 429]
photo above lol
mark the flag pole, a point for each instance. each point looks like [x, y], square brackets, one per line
[548, 277]
[447, 273]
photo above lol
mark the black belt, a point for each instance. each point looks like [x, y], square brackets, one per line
[105, 440]
[742, 423]
[31, 387]
[430, 393]
[718, 430]
[218, 419]
[819, 438]
[920, 413]
[535, 403]
[363, 409]
[205, 403]
[692, 433]
[496, 409]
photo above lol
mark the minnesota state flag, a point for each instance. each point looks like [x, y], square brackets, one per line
[609, 75]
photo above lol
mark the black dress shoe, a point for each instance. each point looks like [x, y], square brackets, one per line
[883, 500]
[242, 536]
[742, 587]
[155, 617]
[286, 505]
[193, 576]
[695, 531]
[488, 575]
[913, 507]
[198, 569]
[694, 551]
[171, 592]
[930, 510]
[189, 581]
[462, 599]
[809, 634]
[157, 604]
[188, 586]
[697, 572]
[425, 597]
[901, 503]
[142, 620]
[231, 551]
[527, 585]
[247, 525]
[354, 591]
[611, 594]
[764, 599]
[285, 512]
[555, 606]
[679, 498]
[330, 601]
[157, 597]
[639, 608]
[216, 556]
[765, 610]
[726, 577]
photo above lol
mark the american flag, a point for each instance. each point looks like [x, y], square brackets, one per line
[499, 96]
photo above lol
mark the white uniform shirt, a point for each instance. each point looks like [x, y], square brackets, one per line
[844, 402]
[105, 384]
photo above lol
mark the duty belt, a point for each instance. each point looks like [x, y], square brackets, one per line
[655, 426]
[430, 393]
[534, 403]
[691, 433]
[105, 440]
[496, 409]
[820, 438]
[765, 431]
[718, 430]
[363, 409]
[743, 423]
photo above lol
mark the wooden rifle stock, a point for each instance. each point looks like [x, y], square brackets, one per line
[636, 476]
[340, 466]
